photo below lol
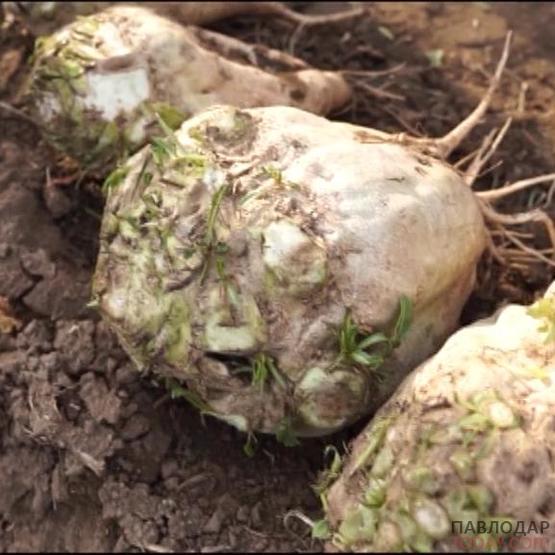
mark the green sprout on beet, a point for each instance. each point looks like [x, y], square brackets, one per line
[177, 391]
[210, 244]
[162, 150]
[371, 350]
[285, 434]
[249, 448]
[544, 309]
[320, 530]
[328, 476]
[114, 179]
[263, 367]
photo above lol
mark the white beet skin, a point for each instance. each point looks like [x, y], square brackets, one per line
[115, 69]
[491, 386]
[317, 218]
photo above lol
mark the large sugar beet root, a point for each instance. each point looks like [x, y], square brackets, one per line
[96, 84]
[267, 259]
[462, 455]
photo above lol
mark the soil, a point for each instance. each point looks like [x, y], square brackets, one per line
[94, 456]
